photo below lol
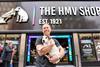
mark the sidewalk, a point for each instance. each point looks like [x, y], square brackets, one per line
[58, 66]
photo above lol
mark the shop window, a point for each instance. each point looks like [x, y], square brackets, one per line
[5, 40]
[87, 47]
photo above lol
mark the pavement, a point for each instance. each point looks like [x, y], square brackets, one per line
[57, 66]
[67, 66]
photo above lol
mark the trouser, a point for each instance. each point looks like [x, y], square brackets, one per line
[37, 65]
[45, 65]
[1, 64]
[6, 63]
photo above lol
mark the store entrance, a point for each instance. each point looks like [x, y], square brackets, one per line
[65, 41]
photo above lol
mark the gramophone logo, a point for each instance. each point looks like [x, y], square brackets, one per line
[20, 14]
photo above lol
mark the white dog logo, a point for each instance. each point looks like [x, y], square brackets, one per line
[22, 15]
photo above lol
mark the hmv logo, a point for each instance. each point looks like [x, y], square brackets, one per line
[20, 14]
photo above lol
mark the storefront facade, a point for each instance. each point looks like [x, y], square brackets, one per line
[78, 35]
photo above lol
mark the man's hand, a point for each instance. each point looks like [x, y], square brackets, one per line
[1, 61]
[43, 49]
[53, 59]
[56, 58]
[46, 49]
[11, 61]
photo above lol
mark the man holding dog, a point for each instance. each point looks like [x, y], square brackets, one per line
[43, 60]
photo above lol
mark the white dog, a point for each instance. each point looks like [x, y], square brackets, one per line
[22, 15]
[54, 51]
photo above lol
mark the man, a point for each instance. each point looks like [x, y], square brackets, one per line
[1, 49]
[7, 54]
[43, 60]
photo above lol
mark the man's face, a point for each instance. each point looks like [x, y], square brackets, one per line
[46, 29]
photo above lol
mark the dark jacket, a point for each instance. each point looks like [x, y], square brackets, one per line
[6, 54]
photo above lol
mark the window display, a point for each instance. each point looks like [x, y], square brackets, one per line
[87, 48]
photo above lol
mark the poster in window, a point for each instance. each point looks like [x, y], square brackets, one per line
[97, 47]
[87, 50]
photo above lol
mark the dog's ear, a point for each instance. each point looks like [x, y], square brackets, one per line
[46, 37]
[49, 38]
